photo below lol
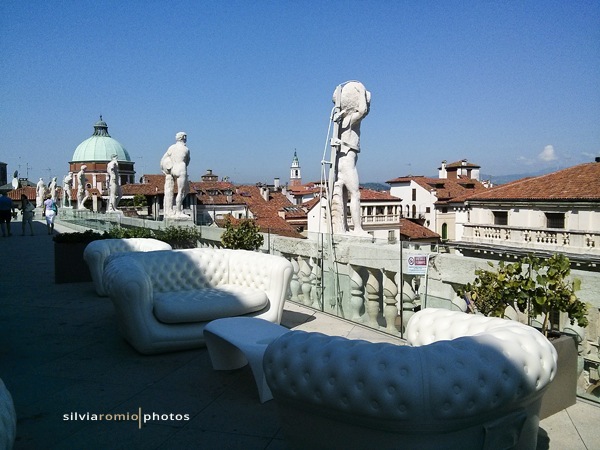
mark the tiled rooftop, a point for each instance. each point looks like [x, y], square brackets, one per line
[60, 353]
[576, 183]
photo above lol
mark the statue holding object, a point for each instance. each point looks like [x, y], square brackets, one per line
[352, 104]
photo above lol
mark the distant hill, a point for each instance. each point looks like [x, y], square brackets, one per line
[376, 186]
[495, 179]
[503, 179]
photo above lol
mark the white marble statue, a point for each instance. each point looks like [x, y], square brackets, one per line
[82, 192]
[352, 102]
[114, 184]
[40, 193]
[66, 191]
[52, 188]
[174, 165]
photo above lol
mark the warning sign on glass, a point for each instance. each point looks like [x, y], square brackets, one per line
[417, 264]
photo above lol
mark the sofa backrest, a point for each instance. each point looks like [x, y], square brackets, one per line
[181, 270]
[442, 383]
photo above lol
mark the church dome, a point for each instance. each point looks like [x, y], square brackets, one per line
[100, 147]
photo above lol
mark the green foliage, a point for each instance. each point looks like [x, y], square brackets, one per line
[84, 237]
[245, 236]
[179, 237]
[533, 285]
[140, 200]
[134, 232]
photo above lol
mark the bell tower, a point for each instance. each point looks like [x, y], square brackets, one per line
[295, 174]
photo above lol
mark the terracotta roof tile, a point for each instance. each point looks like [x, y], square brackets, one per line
[580, 182]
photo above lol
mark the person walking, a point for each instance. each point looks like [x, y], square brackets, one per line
[27, 209]
[50, 212]
[6, 209]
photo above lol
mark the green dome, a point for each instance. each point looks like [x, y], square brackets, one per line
[100, 147]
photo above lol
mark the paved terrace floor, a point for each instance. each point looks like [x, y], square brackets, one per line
[60, 354]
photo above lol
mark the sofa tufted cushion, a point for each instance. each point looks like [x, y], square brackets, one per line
[207, 304]
[438, 384]
[98, 253]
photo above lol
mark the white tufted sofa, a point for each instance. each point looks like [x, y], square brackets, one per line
[164, 299]
[463, 382]
[97, 252]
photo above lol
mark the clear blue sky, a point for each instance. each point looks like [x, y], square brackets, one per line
[497, 83]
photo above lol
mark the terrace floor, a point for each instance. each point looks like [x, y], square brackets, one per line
[61, 356]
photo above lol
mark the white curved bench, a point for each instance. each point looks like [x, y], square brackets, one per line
[97, 252]
[465, 382]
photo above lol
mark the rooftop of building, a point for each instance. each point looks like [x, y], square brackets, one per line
[61, 354]
[577, 183]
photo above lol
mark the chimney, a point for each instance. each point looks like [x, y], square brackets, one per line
[442, 171]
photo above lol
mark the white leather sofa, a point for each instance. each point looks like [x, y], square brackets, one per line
[164, 299]
[463, 382]
[97, 252]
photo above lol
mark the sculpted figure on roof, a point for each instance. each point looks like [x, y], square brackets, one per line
[174, 165]
[114, 184]
[66, 192]
[352, 103]
[82, 192]
[52, 187]
[40, 193]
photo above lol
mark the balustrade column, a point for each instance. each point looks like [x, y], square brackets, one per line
[295, 282]
[372, 303]
[316, 281]
[305, 281]
[390, 307]
[357, 290]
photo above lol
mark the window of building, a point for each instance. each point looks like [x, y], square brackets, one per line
[500, 217]
[444, 210]
[414, 211]
[392, 236]
[427, 209]
[444, 231]
[555, 220]
[414, 195]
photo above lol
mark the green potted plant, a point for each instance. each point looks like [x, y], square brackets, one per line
[244, 235]
[537, 287]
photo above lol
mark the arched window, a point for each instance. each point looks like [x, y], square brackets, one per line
[444, 231]
[414, 211]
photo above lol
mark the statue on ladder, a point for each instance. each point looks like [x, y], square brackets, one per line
[352, 103]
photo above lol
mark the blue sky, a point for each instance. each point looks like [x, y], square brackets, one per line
[511, 86]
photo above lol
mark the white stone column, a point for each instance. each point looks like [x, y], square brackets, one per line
[390, 305]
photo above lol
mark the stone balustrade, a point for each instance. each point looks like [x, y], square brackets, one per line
[532, 239]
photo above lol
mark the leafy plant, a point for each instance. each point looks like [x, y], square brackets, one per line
[245, 235]
[130, 232]
[533, 285]
[179, 237]
[140, 200]
[80, 237]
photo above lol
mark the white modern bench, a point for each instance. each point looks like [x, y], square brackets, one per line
[233, 342]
